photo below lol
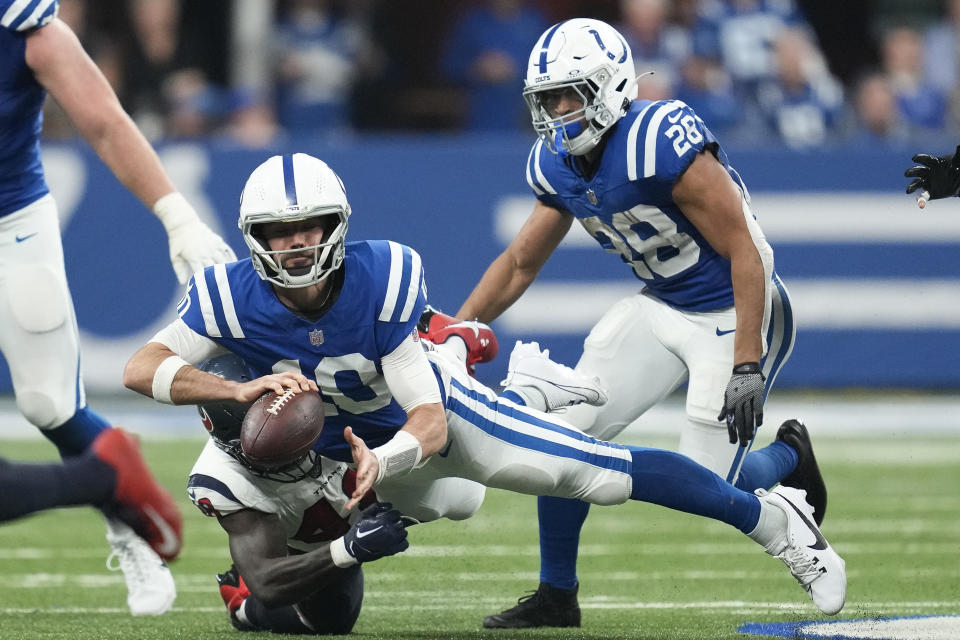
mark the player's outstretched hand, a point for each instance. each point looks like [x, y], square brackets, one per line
[247, 392]
[193, 245]
[379, 532]
[940, 177]
[743, 403]
[368, 467]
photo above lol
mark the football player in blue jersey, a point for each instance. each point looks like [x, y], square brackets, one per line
[934, 177]
[309, 310]
[38, 329]
[648, 180]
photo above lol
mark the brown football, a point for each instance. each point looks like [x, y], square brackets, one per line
[280, 429]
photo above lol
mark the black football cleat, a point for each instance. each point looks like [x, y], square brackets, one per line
[545, 607]
[807, 474]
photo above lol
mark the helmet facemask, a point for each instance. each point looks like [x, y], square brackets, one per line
[306, 466]
[327, 256]
[578, 132]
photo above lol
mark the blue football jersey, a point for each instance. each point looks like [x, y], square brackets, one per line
[382, 297]
[628, 207]
[21, 104]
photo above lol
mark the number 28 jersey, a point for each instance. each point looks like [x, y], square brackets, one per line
[627, 206]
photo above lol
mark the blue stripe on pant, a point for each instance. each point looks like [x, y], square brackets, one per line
[780, 331]
[498, 425]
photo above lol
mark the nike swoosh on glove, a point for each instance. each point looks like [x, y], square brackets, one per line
[379, 532]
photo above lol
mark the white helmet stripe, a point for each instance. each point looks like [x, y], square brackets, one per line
[289, 181]
[226, 300]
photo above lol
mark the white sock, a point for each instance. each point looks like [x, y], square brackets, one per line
[771, 528]
[454, 346]
[532, 397]
[242, 613]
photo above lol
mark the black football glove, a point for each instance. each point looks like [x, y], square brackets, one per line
[379, 532]
[938, 176]
[743, 403]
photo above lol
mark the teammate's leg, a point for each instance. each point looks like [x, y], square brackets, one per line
[505, 446]
[26, 488]
[637, 372]
[39, 339]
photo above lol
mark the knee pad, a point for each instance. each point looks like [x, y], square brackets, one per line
[470, 502]
[40, 409]
[38, 297]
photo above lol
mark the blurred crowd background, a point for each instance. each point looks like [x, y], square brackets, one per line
[804, 74]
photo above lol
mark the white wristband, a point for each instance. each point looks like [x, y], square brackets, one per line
[163, 378]
[174, 211]
[339, 555]
[398, 455]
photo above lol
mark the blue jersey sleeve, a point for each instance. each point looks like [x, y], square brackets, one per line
[194, 308]
[663, 140]
[24, 15]
[404, 295]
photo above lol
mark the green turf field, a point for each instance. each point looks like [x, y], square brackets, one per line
[646, 573]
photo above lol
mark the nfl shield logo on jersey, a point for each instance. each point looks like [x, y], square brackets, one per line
[591, 196]
[316, 337]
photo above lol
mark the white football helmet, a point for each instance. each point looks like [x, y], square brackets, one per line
[291, 188]
[587, 60]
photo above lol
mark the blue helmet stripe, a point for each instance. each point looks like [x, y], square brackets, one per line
[289, 182]
[542, 63]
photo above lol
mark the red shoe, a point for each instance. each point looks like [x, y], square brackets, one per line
[137, 499]
[234, 591]
[437, 327]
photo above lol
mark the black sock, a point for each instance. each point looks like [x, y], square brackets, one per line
[278, 620]
[29, 487]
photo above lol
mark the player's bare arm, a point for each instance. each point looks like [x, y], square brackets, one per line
[509, 275]
[192, 386]
[67, 72]
[258, 545]
[709, 198]
[426, 423]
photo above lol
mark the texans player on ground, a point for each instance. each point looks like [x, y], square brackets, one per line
[343, 317]
[650, 183]
[296, 549]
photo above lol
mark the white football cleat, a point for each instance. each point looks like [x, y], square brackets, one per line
[559, 385]
[808, 555]
[150, 587]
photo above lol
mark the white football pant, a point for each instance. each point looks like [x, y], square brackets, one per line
[38, 328]
[495, 443]
[642, 349]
